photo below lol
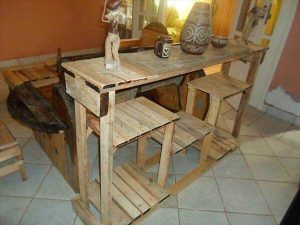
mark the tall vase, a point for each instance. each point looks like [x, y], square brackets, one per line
[195, 34]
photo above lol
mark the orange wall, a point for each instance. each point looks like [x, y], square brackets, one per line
[287, 74]
[37, 27]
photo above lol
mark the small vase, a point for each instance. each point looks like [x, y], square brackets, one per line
[195, 34]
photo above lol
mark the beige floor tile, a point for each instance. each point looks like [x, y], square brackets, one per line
[201, 194]
[197, 217]
[12, 184]
[33, 153]
[250, 115]
[12, 209]
[162, 216]
[49, 212]
[292, 136]
[17, 129]
[186, 163]
[55, 187]
[278, 195]
[281, 149]
[254, 146]
[247, 219]
[293, 167]
[267, 168]
[244, 130]
[269, 125]
[242, 196]
[232, 166]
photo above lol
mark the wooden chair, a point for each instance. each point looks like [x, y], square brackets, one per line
[10, 149]
[219, 87]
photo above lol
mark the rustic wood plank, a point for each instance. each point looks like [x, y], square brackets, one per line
[9, 153]
[141, 155]
[123, 202]
[205, 147]
[106, 157]
[119, 217]
[213, 112]
[130, 194]
[158, 192]
[83, 212]
[6, 138]
[191, 177]
[82, 154]
[165, 155]
[240, 112]
[77, 88]
[149, 198]
[11, 168]
[190, 102]
[219, 86]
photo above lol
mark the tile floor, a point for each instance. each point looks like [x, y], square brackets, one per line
[253, 185]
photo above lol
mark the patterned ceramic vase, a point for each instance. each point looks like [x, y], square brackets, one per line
[195, 33]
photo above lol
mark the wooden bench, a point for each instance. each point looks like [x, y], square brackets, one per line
[10, 149]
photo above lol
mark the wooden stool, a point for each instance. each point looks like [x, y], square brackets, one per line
[9, 149]
[189, 130]
[220, 87]
[132, 193]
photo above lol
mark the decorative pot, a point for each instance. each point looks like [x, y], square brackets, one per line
[219, 42]
[195, 33]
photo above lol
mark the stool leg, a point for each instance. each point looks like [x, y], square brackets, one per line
[240, 112]
[22, 169]
[213, 111]
[190, 102]
[166, 152]
[205, 147]
[141, 155]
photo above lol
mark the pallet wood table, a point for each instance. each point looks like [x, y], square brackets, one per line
[94, 89]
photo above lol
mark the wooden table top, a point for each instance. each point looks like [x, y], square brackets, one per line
[144, 67]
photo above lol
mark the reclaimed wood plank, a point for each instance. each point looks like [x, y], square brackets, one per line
[133, 197]
[119, 217]
[148, 197]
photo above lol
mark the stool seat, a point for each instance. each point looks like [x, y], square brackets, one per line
[188, 129]
[133, 119]
[219, 86]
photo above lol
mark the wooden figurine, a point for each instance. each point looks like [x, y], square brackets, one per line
[255, 14]
[114, 17]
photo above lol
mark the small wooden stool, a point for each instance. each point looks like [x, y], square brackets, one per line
[132, 193]
[189, 130]
[9, 149]
[220, 87]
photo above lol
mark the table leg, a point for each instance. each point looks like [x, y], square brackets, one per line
[82, 154]
[225, 69]
[141, 154]
[205, 147]
[107, 109]
[240, 112]
[166, 152]
[213, 111]
[190, 102]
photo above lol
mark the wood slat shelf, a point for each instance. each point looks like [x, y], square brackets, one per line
[134, 118]
[133, 195]
[39, 75]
